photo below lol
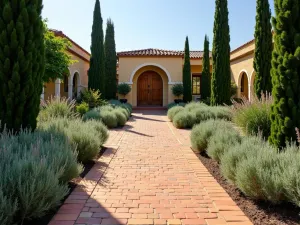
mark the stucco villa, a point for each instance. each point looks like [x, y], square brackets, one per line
[77, 79]
[152, 73]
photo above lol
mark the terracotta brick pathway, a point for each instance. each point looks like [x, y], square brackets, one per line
[149, 175]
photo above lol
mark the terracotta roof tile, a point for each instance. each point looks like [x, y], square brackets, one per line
[160, 52]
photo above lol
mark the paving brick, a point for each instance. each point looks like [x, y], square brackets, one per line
[149, 175]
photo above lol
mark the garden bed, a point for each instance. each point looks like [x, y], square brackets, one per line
[72, 185]
[260, 213]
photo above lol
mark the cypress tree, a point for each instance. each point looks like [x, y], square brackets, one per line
[205, 81]
[221, 76]
[285, 73]
[186, 79]
[110, 61]
[263, 48]
[21, 63]
[97, 62]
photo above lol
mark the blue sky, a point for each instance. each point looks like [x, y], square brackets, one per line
[160, 24]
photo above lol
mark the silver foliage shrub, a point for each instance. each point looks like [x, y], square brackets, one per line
[249, 146]
[85, 137]
[173, 111]
[184, 119]
[202, 133]
[30, 182]
[224, 138]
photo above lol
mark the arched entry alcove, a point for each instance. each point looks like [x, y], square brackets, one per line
[152, 78]
[75, 85]
[244, 85]
[150, 89]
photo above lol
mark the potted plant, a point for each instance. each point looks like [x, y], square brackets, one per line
[123, 89]
[177, 91]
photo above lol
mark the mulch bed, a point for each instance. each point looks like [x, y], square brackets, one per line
[260, 213]
[72, 185]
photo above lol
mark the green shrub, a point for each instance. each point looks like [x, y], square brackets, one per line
[254, 117]
[79, 133]
[114, 102]
[121, 117]
[221, 141]
[124, 89]
[184, 119]
[57, 107]
[259, 176]
[249, 146]
[102, 131]
[233, 89]
[202, 132]
[28, 181]
[107, 108]
[173, 111]
[82, 108]
[128, 107]
[92, 98]
[8, 207]
[194, 105]
[60, 154]
[91, 115]
[221, 112]
[125, 112]
[109, 118]
[173, 104]
[177, 90]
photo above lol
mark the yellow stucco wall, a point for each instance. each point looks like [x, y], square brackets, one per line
[80, 67]
[240, 66]
[130, 68]
[127, 65]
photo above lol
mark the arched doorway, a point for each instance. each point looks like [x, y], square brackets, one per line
[244, 86]
[150, 89]
[75, 85]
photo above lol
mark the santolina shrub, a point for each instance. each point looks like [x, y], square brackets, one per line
[184, 119]
[247, 147]
[202, 132]
[111, 115]
[34, 170]
[221, 141]
[173, 104]
[84, 135]
[173, 111]
[194, 113]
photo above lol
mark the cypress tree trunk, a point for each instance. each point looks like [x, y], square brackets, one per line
[286, 72]
[221, 76]
[186, 79]
[263, 48]
[21, 62]
[97, 63]
[205, 81]
[110, 61]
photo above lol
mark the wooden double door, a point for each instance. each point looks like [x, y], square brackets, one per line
[150, 89]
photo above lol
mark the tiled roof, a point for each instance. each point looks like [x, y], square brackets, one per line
[160, 52]
[61, 34]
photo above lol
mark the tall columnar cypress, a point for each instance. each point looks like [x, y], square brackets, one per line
[110, 61]
[97, 61]
[286, 72]
[205, 80]
[186, 79]
[221, 76]
[21, 62]
[263, 48]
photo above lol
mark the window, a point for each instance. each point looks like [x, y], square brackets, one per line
[196, 80]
